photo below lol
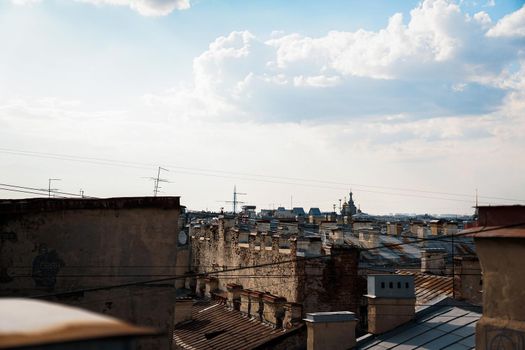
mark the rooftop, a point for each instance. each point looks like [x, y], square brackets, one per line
[446, 325]
[429, 287]
[214, 326]
[21, 206]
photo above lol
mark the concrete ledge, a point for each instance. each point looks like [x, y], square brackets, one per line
[335, 316]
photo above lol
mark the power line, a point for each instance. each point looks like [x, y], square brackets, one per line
[22, 191]
[253, 177]
[326, 257]
[45, 191]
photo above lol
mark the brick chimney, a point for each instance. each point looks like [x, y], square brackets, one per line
[467, 279]
[292, 314]
[500, 245]
[234, 296]
[433, 261]
[211, 285]
[257, 305]
[314, 246]
[338, 236]
[273, 310]
[391, 301]
[200, 286]
[331, 330]
[246, 306]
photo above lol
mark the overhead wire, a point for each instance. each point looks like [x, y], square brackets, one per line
[287, 261]
[252, 177]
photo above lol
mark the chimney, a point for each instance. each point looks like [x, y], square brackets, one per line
[234, 296]
[257, 306]
[338, 237]
[275, 243]
[273, 310]
[246, 306]
[314, 246]
[292, 315]
[293, 246]
[433, 261]
[211, 285]
[331, 330]
[501, 249]
[391, 301]
[200, 286]
[467, 279]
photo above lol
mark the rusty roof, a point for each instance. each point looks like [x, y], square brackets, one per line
[214, 326]
[429, 287]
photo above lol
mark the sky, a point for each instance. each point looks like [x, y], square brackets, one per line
[411, 105]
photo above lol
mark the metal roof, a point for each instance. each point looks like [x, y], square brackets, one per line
[447, 325]
[406, 251]
[429, 287]
[213, 326]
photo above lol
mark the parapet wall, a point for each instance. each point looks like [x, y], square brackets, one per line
[273, 264]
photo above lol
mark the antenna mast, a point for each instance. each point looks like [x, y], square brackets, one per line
[49, 189]
[235, 201]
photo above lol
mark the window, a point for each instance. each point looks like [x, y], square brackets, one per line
[383, 285]
[391, 285]
[398, 284]
[406, 285]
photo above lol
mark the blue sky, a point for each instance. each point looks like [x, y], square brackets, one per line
[393, 94]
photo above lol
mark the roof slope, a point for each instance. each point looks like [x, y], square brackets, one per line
[215, 327]
[447, 325]
[429, 287]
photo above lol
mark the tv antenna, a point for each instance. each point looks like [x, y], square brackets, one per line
[157, 180]
[235, 200]
[49, 189]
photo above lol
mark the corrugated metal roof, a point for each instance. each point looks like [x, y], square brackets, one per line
[215, 327]
[430, 287]
[407, 250]
[447, 325]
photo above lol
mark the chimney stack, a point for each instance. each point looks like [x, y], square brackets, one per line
[234, 296]
[211, 285]
[433, 261]
[391, 301]
[273, 310]
[501, 249]
[331, 330]
[467, 279]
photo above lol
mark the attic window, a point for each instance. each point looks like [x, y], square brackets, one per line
[406, 285]
[390, 285]
[383, 285]
[398, 284]
[212, 335]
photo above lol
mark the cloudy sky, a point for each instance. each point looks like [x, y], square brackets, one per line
[411, 104]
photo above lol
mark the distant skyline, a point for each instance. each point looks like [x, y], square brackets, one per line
[411, 104]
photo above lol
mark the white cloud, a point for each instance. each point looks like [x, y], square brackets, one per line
[25, 2]
[512, 25]
[417, 68]
[144, 7]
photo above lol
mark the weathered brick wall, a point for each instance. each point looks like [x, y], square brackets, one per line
[215, 249]
[330, 283]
